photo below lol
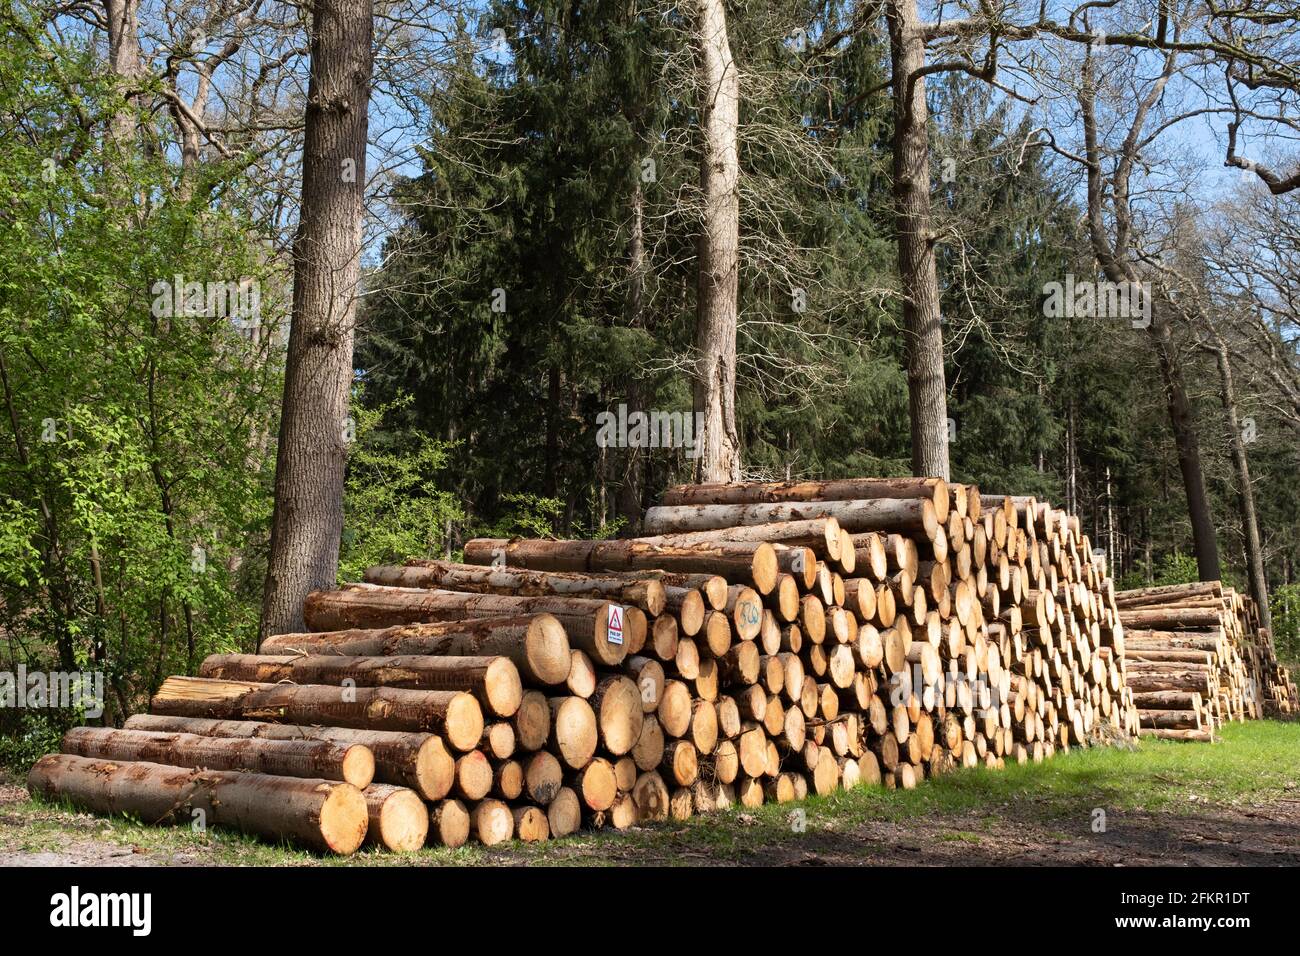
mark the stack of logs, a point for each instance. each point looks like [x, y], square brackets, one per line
[1196, 658]
[769, 640]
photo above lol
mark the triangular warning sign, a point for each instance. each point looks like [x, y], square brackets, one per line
[616, 618]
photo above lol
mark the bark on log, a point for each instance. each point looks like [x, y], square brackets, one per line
[493, 680]
[880, 514]
[585, 620]
[537, 644]
[843, 489]
[313, 759]
[418, 761]
[455, 716]
[324, 815]
[738, 561]
[646, 593]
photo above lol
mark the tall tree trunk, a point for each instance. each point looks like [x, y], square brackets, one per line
[926, 388]
[1245, 491]
[1118, 262]
[318, 376]
[1183, 423]
[629, 493]
[719, 249]
[121, 20]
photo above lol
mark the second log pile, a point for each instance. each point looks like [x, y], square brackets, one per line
[764, 641]
[1197, 657]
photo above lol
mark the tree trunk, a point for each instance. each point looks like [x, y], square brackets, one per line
[927, 390]
[719, 249]
[122, 23]
[629, 492]
[1183, 423]
[1245, 491]
[312, 451]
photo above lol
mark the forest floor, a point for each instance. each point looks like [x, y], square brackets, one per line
[1231, 803]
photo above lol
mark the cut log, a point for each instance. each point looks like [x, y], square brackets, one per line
[741, 562]
[574, 732]
[1170, 719]
[564, 813]
[473, 776]
[531, 824]
[651, 796]
[842, 489]
[532, 721]
[585, 620]
[596, 785]
[619, 714]
[649, 749]
[647, 593]
[498, 740]
[313, 759]
[324, 815]
[1168, 700]
[1198, 736]
[493, 680]
[675, 709]
[823, 535]
[581, 681]
[453, 715]
[448, 824]
[688, 608]
[418, 761]
[398, 818]
[508, 780]
[648, 675]
[543, 777]
[537, 644]
[746, 610]
[856, 516]
[492, 822]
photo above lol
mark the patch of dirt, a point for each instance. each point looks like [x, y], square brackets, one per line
[78, 850]
[1213, 835]
[1216, 836]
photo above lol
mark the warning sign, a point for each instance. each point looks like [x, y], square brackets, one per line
[614, 628]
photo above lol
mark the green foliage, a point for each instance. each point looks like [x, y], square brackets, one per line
[134, 478]
[1176, 568]
[394, 508]
[1285, 604]
[37, 734]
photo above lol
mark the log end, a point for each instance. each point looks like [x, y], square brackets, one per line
[344, 819]
[547, 650]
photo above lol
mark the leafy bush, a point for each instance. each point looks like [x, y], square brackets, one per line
[38, 733]
[1285, 603]
[393, 509]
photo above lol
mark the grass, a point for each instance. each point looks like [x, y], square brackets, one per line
[1256, 764]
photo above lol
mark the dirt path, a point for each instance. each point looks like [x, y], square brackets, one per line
[1211, 836]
